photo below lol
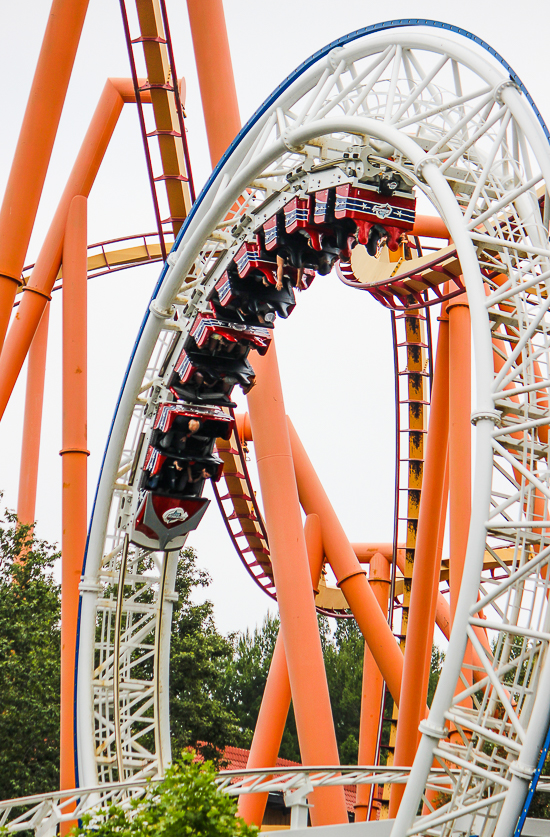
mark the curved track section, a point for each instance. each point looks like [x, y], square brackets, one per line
[246, 528]
[241, 514]
[444, 116]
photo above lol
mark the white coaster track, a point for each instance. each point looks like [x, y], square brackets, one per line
[447, 113]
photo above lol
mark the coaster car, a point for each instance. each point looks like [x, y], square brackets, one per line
[377, 215]
[252, 302]
[171, 505]
[179, 476]
[248, 261]
[201, 378]
[254, 262]
[188, 432]
[316, 230]
[162, 522]
[305, 239]
[220, 336]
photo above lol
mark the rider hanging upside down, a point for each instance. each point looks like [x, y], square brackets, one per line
[300, 284]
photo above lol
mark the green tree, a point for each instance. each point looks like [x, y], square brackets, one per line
[30, 606]
[438, 658]
[186, 802]
[243, 682]
[29, 662]
[200, 716]
[244, 679]
[343, 652]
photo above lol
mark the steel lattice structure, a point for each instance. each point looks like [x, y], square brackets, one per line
[479, 154]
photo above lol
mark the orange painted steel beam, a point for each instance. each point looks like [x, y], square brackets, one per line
[436, 596]
[442, 609]
[349, 574]
[32, 423]
[430, 226]
[268, 733]
[74, 465]
[287, 543]
[344, 562]
[293, 582]
[37, 292]
[413, 705]
[366, 551]
[372, 687]
[270, 724]
[34, 146]
[460, 439]
[215, 72]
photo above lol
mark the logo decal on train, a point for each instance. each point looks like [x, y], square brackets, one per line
[176, 515]
[382, 211]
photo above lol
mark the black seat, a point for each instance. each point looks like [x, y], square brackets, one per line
[250, 301]
[173, 478]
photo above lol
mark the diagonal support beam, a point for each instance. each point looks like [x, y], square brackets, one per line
[299, 626]
[347, 569]
[36, 293]
[35, 144]
[270, 724]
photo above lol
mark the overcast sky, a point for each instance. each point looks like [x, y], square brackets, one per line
[334, 351]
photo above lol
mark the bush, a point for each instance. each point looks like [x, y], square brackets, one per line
[187, 803]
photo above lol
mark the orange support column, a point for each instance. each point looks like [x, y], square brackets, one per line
[74, 453]
[413, 703]
[347, 569]
[460, 439]
[431, 226]
[372, 688]
[273, 713]
[215, 72]
[293, 582]
[32, 423]
[37, 291]
[268, 733]
[437, 602]
[34, 147]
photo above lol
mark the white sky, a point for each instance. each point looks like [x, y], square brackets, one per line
[334, 351]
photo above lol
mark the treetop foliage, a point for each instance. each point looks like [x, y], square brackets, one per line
[30, 609]
[200, 715]
[216, 682]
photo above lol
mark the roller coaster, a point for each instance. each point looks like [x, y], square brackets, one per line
[327, 178]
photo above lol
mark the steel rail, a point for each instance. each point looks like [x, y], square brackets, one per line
[143, 129]
[416, 339]
[162, 82]
[44, 812]
[113, 260]
[411, 298]
[244, 509]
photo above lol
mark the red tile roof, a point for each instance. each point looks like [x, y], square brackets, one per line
[237, 759]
